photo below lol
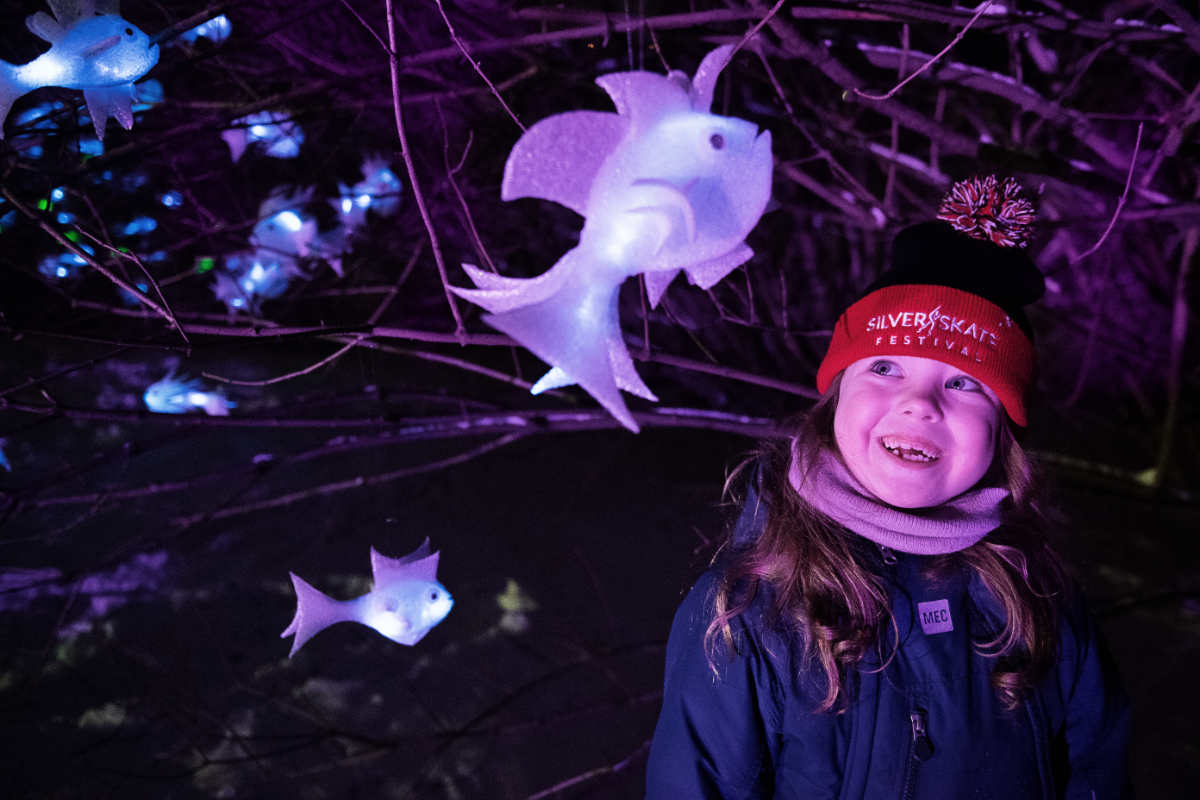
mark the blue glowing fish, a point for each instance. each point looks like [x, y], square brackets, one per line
[283, 227]
[405, 603]
[378, 191]
[65, 266]
[279, 135]
[4, 461]
[91, 48]
[249, 278]
[664, 186]
[216, 30]
[174, 395]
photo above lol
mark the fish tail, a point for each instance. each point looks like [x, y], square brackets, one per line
[217, 406]
[10, 90]
[499, 294]
[315, 611]
[574, 330]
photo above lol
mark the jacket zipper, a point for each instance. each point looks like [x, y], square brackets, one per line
[920, 749]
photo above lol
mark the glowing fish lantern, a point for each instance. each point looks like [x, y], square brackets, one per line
[664, 186]
[216, 30]
[91, 48]
[379, 191]
[404, 605]
[283, 228]
[251, 277]
[174, 395]
[65, 266]
[279, 135]
[4, 462]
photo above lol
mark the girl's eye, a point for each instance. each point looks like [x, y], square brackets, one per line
[963, 383]
[884, 368]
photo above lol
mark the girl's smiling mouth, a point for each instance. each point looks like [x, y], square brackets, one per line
[911, 449]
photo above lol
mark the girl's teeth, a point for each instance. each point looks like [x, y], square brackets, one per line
[910, 454]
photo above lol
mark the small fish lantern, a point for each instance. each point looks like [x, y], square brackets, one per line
[174, 395]
[251, 277]
[664, 186]
[91, 48]
[216, 30]
[379, 191]
[405, 604]
[283, 228]
[279, 135]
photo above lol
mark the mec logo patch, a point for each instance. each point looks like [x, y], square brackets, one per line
[935, 616]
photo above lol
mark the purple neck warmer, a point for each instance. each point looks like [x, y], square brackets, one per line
[954, 525]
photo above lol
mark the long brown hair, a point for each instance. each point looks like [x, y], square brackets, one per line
[822, 592]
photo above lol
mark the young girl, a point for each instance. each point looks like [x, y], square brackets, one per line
[889, 619]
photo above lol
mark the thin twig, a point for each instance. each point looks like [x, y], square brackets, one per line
[405, 151]
[567, 784]
[404, 273]
[474, 64]
[750, 34]
[1121, 202]
[658, 49]
[462, 201]
[157, 289]
[353, 483]
[81, 253]
[290, 375]
[958, 38]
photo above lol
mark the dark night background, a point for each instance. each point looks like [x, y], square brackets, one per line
[144, 557]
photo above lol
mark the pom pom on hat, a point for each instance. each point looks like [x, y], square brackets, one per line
[984, 208]
[955, 292]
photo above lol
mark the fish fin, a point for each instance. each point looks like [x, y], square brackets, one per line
[490, 281]
[500, 295]
[657, 283]
[413, 636]
[217, 406]
[237, 140]
[422, 551]
[315, 611]
[643, 97]
[624, 373]
[706, 77]
[559, 157]
[555, 331]
[706, 274]
[419, 565]
[44, 26]
[68, 12]
[114, 101]
[556, 378]
[283, 198]
[10, 90]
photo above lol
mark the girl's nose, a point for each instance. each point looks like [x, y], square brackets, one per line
[922, 402]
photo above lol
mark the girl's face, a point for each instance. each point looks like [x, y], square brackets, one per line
[914, 431]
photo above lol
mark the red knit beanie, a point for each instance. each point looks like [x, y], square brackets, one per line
[955, 292]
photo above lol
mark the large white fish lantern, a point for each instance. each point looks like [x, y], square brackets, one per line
[664, 186]
[404, 605]
[91, 48]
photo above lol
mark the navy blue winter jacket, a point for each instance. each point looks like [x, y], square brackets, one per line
[927, 724]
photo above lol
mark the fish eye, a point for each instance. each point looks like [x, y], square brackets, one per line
[433, 595]
[717, 141]
[129, 31]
